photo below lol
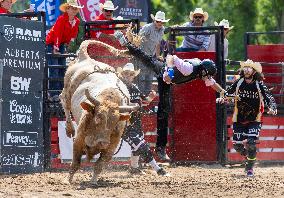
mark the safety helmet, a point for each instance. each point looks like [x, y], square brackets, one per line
[208, 68]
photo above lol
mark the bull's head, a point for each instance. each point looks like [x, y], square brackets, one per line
[102, 119]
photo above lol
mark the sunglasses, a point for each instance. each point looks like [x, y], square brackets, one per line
[111, 11]
[73, 8]
[159, 22]
[198, 17]
[248, 69]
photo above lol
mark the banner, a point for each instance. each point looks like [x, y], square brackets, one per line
[91, 9]
[132, 9]
[51, 9]
[22, 63]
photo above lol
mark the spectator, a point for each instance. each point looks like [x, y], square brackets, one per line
[133, 134]
[6, 5]
[61, 34]
[250, 95]
[107, 14]
[152, 36]
[195, 42]
[227, 28]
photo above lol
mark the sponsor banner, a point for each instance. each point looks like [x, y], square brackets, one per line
[91, 9]
[50, 7]
[133, 9]
[21, 84]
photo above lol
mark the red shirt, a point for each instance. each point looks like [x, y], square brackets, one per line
[4, 11]
[63, 31]
[96, 34]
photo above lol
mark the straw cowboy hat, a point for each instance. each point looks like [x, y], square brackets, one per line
[249, 63]
[160, 16]
[72, 3]
[13, 1]
[199, 11]
[108, 5]
[224, 23]
[128, 67]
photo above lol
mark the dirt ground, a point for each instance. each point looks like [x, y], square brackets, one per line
[190, 181]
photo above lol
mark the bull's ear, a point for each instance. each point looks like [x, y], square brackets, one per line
[124, 116]
[87, 106]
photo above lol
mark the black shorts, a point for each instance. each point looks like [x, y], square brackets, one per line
[245, 131]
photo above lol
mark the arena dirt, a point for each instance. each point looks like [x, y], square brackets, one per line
[190, 181]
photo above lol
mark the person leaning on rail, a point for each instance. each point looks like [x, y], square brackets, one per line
[6, 5]
[227, 29]
[198, 42]
[152, 35]
[61, 34]
[250, 94]
[107, 14]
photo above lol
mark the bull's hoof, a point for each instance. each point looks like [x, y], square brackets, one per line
[71, 175]
[93, 182]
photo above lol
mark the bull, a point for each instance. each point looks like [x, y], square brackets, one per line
[99, 103]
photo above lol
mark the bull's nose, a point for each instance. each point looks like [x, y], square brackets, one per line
[103, 145]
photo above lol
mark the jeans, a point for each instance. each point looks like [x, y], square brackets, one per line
[56, 72]
[164, 108]
[186, 49]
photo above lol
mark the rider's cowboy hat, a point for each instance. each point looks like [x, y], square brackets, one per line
[198, 11]
[13, 1]
[249, 63]
[160, 16]
[72, 3]
[224, 23]
[108, 5]
[128, 67]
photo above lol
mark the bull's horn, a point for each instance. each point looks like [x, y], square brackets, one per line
[91, 99]
[123, 109]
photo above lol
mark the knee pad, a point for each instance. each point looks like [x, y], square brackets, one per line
[240, 149]
[145, 152]
[251, 147]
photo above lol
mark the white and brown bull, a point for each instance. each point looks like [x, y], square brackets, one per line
[98, 100]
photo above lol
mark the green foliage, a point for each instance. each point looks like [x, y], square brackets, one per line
[20, 5]
[245, 15]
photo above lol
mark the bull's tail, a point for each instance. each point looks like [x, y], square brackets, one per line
[83, 50]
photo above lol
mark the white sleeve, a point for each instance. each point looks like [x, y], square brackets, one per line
[185, 68]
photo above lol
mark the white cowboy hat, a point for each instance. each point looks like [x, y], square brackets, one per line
[13, 1]
[119, 18]
[224, 23]
[72, 3]
[108, 5]
[128, 67]
[160, 16]
[199, 11]
[249, 63]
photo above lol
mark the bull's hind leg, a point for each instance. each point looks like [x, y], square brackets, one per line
[78, 150]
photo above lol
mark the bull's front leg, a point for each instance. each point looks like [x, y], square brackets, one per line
[99, 166]
[106, 156]
[78, 150]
